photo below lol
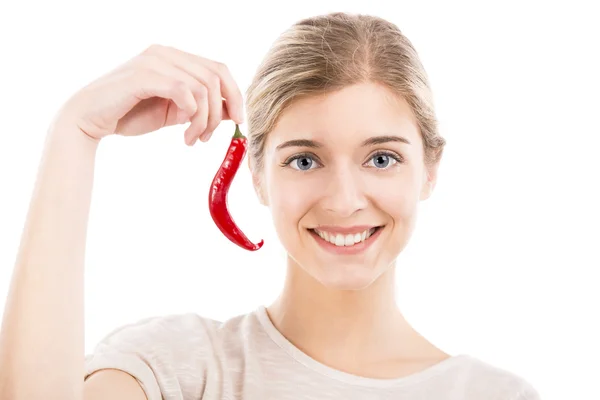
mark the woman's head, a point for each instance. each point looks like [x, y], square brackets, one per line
[343, 134]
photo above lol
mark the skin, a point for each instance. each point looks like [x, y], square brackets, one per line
[42, 332]
[341, 309]
[330, 307]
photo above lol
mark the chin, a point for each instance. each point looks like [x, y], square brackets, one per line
[345, 277]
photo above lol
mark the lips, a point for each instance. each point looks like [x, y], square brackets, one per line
[343, 250]
[345, 239]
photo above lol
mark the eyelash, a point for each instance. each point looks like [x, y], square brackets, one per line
[390, 154]
[396, 157]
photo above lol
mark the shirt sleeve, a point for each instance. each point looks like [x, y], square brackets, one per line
[157, 352]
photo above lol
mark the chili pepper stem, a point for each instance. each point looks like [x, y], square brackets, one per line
[238, 134]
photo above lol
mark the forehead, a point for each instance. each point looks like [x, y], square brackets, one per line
[355, 112]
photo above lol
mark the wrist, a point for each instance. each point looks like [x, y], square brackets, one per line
[65, 131]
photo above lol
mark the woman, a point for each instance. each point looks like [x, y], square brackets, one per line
[340, 112]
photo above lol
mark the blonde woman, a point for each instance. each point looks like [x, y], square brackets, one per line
[340, 114]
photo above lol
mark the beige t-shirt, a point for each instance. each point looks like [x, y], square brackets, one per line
[188, 357]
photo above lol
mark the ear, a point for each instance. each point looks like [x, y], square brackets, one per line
[256, 183]
[430, 175]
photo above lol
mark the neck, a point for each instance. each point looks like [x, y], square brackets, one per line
[332, 325]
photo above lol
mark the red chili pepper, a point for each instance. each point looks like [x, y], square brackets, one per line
[217, 197]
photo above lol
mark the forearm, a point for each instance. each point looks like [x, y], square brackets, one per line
[42, 335]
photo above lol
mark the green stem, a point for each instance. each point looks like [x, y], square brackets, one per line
[238, 134]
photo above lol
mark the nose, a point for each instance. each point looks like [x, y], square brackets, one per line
[344, 193]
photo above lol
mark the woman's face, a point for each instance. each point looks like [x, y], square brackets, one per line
[343, 177]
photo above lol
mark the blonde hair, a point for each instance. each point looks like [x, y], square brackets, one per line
[326, 53]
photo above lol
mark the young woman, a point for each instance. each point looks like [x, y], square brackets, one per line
[340, 114]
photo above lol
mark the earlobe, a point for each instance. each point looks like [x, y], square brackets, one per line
[429, 181]
[425, 191]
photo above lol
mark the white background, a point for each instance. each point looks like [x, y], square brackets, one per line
[503, 264]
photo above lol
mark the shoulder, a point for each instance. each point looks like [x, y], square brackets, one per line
[484, 379]
[168, 354]
[159, 329]
[186, 330]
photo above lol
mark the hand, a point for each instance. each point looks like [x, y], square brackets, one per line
[160, 87]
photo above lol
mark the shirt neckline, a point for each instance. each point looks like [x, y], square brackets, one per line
[333, 373]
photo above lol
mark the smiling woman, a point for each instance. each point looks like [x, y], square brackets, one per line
[343, 147]
[369, 184]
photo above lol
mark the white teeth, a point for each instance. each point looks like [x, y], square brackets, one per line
[345, 240]
[349, 240]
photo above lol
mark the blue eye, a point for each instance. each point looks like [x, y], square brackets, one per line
[302, 162]
[306, 162]
[384, 160]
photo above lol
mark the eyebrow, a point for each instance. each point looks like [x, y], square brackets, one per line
[369, 142]
[385, 139]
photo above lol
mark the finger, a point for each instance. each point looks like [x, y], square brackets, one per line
[188, 136]
[148, 83]
[165, 67]
[230, 91]
[188, 62]
[176, 60]
[200, 119]
[215, 106]
[225, 112]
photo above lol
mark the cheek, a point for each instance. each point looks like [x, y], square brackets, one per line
[290, 198]
[399, 198]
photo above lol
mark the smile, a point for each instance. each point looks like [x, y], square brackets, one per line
[351, 243]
